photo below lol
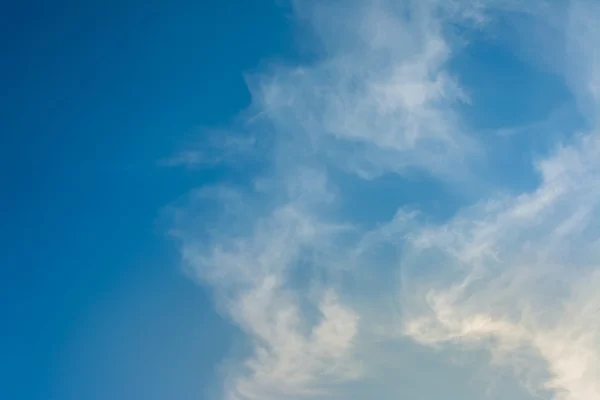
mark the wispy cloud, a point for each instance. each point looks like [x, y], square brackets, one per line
[381, 99]
[292, 355]
[520, 272]
[325, 305]
[214, 147]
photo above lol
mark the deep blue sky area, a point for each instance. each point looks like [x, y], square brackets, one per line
[94, 94]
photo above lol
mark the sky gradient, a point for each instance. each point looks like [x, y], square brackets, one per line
[302, 200]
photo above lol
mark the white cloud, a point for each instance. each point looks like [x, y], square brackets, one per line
[523, 269]
[214, 147]
[381, 99]
[320, 301]
[582, 32]
[292, 355]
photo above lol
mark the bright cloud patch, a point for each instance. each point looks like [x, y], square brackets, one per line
[381, 99]
[331, 309]
[524, 273]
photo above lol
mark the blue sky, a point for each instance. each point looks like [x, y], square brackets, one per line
[301, 200]
[94, 302]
